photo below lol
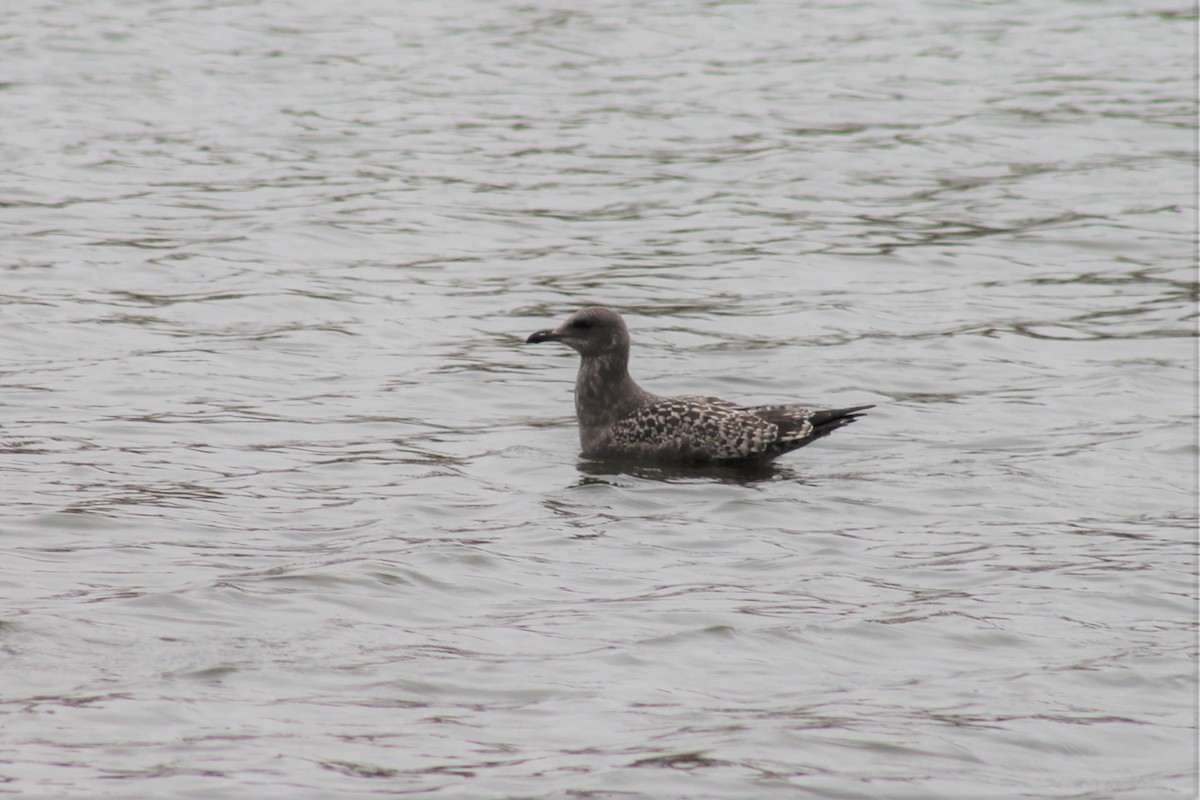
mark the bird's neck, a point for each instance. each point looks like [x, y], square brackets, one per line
[604, 391]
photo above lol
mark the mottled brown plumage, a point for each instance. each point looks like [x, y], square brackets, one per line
[619, 419]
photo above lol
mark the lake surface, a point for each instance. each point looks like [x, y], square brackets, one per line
[288, 509]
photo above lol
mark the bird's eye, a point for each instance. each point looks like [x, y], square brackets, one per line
[582, 323]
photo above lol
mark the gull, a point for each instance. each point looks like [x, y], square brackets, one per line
[620, 420]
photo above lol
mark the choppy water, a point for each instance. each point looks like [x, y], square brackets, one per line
[288, 510]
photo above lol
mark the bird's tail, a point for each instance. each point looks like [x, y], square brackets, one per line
[826, 422]
[795, 422]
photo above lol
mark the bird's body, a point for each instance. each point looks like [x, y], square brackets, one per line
[619, 419]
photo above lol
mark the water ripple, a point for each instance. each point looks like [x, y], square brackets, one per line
[288, 507]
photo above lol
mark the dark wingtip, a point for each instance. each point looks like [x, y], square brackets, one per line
[537, 337]
[839, 413]
[829, 421]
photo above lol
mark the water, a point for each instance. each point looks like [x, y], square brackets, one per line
[289, 511]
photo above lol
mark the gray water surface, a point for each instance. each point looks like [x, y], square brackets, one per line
[288, 510]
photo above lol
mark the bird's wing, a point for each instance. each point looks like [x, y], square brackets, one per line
[795, 422]
[704, 428]
[799, 425]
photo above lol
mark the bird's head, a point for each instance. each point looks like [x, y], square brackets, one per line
[592, 331]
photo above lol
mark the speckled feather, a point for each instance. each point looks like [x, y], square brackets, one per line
[619, 419]
[698, 428]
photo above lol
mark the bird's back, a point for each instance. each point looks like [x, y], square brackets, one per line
[708, 429]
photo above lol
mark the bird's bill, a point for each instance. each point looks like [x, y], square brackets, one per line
[543, 336]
